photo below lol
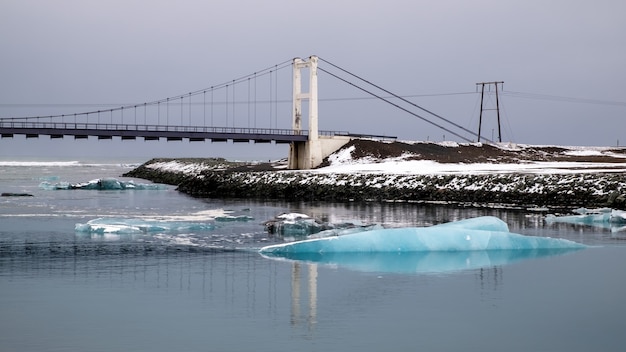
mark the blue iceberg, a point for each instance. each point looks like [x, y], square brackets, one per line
[462, 245]
[477, 234]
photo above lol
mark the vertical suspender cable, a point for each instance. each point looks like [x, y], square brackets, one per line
[255, 102]
[248, 102]
[270, 102]
[276, 98]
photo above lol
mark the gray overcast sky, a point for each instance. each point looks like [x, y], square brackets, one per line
[126, 52]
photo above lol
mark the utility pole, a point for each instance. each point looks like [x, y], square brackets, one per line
[482, 97]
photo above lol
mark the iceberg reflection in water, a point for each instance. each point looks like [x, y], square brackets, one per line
[466, 244]
[421, 262]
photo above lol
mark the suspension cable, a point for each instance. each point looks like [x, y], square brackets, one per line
[403, 99]
[396, 105]
[266, 71]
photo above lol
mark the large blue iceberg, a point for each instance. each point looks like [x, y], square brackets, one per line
[462, 245]
[477, 234]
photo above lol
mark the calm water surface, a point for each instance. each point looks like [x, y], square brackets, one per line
[209, 290]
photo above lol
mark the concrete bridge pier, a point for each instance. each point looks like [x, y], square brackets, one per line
[310, 154]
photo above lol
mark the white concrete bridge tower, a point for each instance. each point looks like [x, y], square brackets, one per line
[309, 154]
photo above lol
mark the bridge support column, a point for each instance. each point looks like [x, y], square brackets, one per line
[305, 155]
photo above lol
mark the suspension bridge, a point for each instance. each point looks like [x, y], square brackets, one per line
[217, 113]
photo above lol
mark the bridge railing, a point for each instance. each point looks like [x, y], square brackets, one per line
[43, 125]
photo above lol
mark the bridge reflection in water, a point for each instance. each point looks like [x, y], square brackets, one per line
[311, 291]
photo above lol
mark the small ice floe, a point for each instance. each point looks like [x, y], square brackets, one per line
[600, 217]
[139, 226]
[102, 184]
[233, 218]
[299, 225]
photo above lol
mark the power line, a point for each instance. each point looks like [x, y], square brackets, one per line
[53, 105]
[538, 96]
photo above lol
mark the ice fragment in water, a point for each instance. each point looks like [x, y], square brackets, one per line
[301, 225]
[137, 226]
[604, 217]
[102, 184]
[232, 218]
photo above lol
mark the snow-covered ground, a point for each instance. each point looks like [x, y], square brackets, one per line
[343, 161]
[429, 167]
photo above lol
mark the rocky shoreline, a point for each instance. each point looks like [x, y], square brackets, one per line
[510, 190]
[218, 178]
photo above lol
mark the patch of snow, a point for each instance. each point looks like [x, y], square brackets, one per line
[448, 144]
[342, 156]
[292, 216]
[583, 152]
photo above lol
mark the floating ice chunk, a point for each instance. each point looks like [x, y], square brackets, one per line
[294, 225]
[483, 233]
[102, 184]
[231, 218]
[49, 178]
[344, 231]
[292, 216]
[584, 211]
[52, 187]
[134, 226]
[297, 225]
[603, 217]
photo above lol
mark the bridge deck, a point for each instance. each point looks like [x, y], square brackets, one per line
[155, 132]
